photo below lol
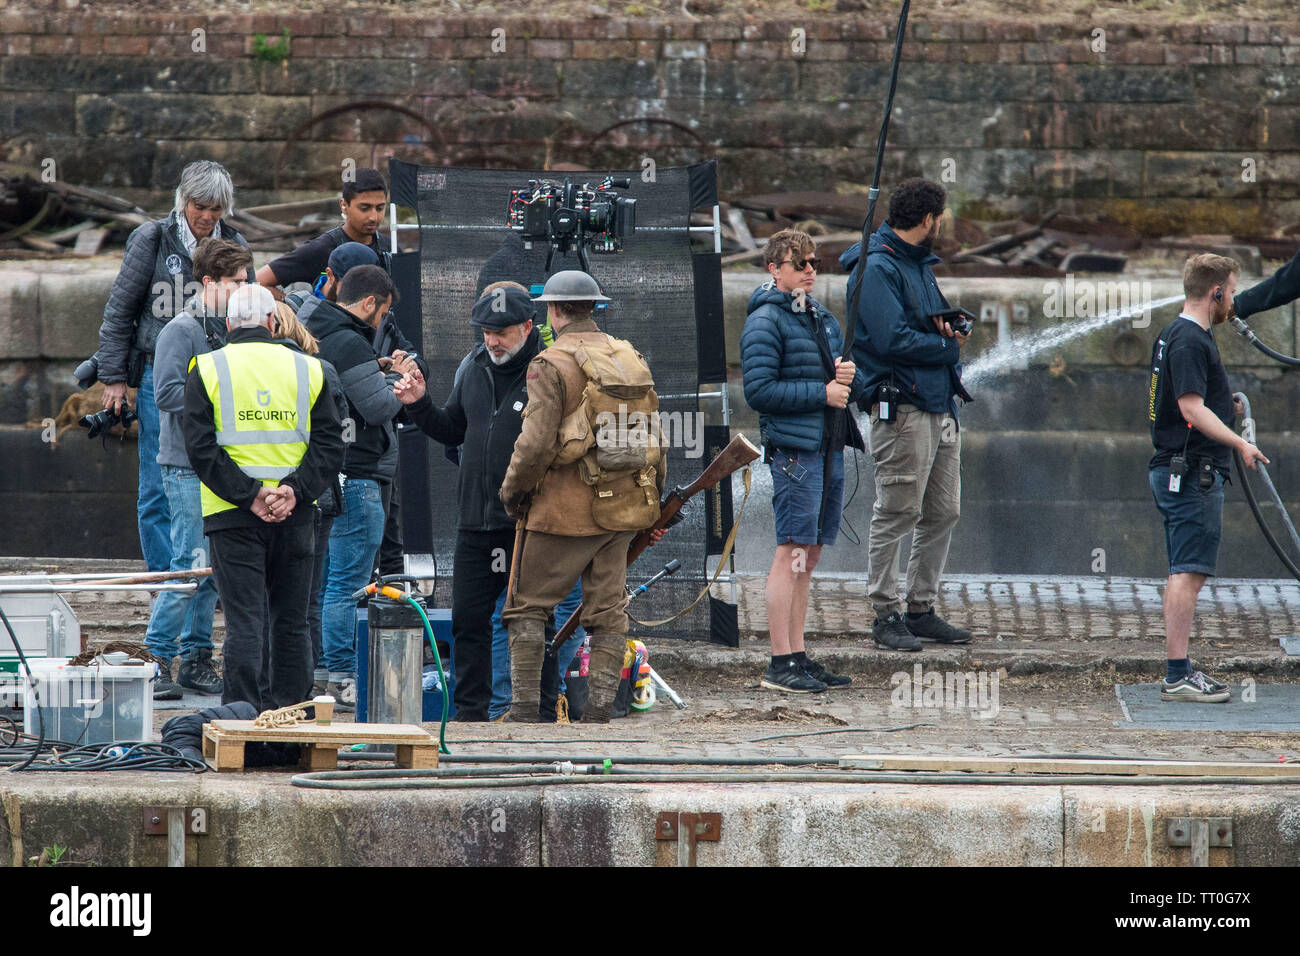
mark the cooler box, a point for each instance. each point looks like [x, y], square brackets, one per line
[99, 704]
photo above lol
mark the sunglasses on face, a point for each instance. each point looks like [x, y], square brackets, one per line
[801, 264]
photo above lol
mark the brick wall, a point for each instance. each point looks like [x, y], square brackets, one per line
[1026, 115]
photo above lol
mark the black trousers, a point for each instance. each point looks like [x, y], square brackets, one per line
[481, 574]
[265, 572]
[482, 571]
[323, 526]
[389, 557]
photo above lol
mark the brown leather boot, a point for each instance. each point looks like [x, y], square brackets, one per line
[527, 651]
[604, 671]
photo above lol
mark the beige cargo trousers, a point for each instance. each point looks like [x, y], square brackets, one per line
[918, 490]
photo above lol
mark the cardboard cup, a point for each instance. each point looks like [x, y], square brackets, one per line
[324, 709]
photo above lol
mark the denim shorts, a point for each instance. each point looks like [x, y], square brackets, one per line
[798, 499]
[1193, 521]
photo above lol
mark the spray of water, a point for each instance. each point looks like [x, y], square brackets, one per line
[1008, 356]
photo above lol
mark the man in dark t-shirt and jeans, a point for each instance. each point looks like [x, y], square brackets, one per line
[362, 205]
[1192, 411]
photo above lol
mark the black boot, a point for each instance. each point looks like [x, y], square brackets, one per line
[200, 675]
[164, 688]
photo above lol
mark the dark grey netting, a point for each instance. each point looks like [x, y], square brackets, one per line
[465, 244]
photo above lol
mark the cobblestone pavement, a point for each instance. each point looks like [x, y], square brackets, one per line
[1056, 646]
[733, 718]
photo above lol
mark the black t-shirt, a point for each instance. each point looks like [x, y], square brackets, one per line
[308, 261]
[1186, 359]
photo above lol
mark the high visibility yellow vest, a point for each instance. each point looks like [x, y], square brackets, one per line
[262, 395]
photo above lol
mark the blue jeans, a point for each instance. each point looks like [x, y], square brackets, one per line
[501, 650]
[804, 514]
[153, 515]
[354, 539]
[184, 614]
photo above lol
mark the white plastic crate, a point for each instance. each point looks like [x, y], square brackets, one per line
[98, 704]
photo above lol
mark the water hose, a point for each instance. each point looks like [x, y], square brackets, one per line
[442, 676]
[1240, 465]
[525, 775]
[1245, 330]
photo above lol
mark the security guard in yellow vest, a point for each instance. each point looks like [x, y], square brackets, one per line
[264, 436]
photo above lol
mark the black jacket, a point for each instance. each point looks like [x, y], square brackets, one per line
[1278, 289]
[484, 415]
[218, 470]
[154, 283]
[347, 343]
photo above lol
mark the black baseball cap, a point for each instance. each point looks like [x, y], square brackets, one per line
[350, 255]
[502, 308]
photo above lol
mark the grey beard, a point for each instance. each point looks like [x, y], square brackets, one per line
[510, 353]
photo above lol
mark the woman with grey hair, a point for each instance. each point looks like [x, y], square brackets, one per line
[156, 281]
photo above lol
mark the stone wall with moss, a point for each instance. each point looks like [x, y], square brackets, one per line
[1192, 127]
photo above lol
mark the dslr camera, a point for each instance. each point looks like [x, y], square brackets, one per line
[102, 421]
[573, 218]
[960, 320]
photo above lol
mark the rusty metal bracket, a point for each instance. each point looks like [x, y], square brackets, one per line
[687, 829]
[1200, 834]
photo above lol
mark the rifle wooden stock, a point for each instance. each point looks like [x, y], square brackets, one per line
[738, 453]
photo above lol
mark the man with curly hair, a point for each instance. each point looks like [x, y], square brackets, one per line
[904, 349]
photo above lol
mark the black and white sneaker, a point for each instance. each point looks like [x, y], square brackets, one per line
[1195, 688]
[819, 673]
[790, 678]
[931, 627]
[892, 633]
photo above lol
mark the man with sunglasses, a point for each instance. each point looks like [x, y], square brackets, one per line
[911, 360]
[797, 381]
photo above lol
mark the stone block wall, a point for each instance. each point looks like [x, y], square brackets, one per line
[1192, 126]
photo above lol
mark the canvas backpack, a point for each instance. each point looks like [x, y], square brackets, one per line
[613, 434]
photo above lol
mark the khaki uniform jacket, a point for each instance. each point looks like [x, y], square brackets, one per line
[562, 501]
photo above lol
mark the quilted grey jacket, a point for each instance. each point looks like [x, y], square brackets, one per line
[156, 280]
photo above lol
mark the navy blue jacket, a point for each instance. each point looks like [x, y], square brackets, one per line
[894, 330]
[786, 372]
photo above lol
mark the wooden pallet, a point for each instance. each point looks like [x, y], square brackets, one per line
[223, 742]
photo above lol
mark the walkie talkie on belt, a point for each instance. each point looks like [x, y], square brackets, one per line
[887, 395]
[1178, 465]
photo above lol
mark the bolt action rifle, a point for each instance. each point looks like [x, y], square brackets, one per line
[738, 453]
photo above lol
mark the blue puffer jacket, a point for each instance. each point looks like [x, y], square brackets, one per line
[784, 372]
[894, 331]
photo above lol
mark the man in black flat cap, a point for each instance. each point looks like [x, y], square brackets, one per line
[484, 415]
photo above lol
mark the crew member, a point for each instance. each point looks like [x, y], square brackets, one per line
[346, 333]
[582, 499]
[1192, 411]
[222, 266]
[365, 196]
[901, 345]
[263, 434]
[797, 380]
[156, 278]
[483, 414]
